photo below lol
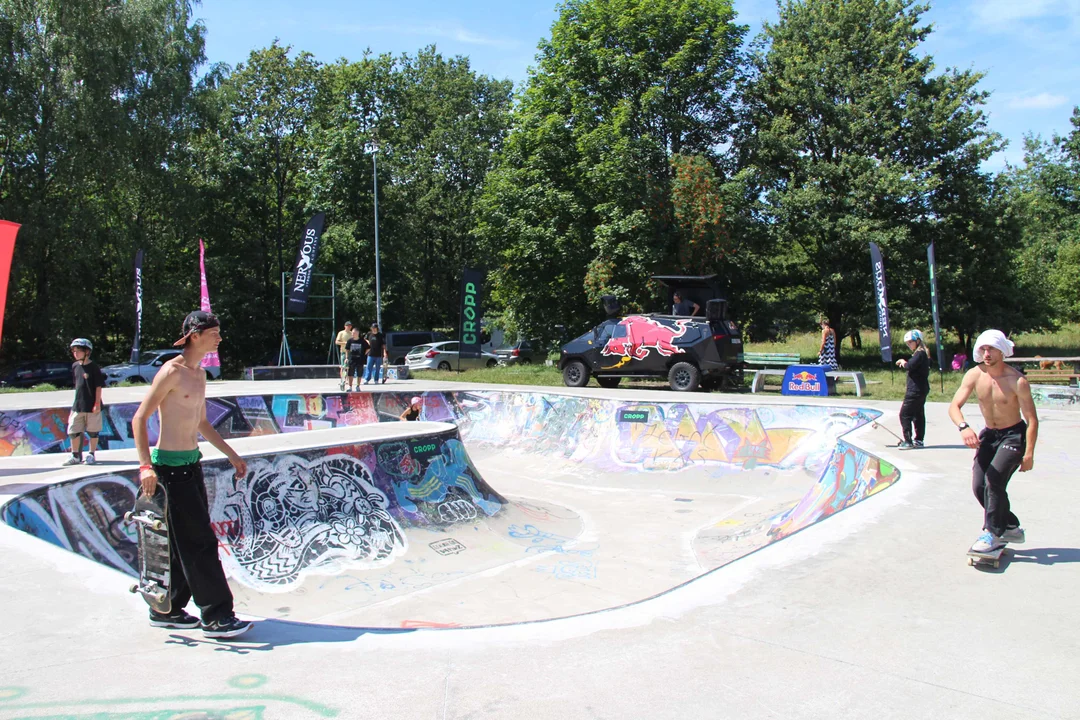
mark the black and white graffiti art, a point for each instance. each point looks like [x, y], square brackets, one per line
[293, 516]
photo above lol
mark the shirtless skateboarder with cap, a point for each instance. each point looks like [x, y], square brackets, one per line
[179, 395]
[1005, 444]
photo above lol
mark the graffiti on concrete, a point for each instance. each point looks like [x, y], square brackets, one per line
[301, 514]
[312, 512]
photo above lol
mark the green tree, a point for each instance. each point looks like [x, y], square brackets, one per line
[96, 110]
[852, 137]
[580, 203]
[1045, 200]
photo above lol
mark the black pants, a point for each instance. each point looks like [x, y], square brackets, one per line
[196, 568]
[998, 457]
[913, 414]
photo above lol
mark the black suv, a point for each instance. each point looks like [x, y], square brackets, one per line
[690, 351]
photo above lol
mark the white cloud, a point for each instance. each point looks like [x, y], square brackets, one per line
[1042, 101]
[455, 32]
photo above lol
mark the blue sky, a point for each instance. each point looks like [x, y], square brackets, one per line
[1029, 49]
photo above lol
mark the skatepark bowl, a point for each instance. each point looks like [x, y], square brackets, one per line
[498, 507]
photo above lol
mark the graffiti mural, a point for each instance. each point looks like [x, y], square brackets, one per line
[298, 514]
[1056, 396]
[318, 511]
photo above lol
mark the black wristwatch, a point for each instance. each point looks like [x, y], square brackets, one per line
[962, 426]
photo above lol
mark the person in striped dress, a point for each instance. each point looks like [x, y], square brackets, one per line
[827, 353]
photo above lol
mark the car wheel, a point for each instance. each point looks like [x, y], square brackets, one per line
[684, 377]
[608, 382]
[575, 374]
[492, 363]
[524, 361]
[136, 379]
[444, 365]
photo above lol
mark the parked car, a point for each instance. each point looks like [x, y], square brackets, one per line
[152, 360]
[399, 343]
[523, 352]
[689, 351]
[29, 374]
[444, 356]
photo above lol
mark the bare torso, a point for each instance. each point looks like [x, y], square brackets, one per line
[998, 398]
[182, 409]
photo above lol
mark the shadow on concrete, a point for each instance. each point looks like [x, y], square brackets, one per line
[1046, 556]
[268, 635]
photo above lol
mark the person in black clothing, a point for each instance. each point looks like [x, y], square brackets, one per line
[413, 411]
[913, 410]
[356, 348]
[86, 411]
[683, 307]
[376, 355]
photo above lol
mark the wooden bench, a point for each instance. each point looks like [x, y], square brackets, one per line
[770, 359]
[1069, 377]
[1066, 376]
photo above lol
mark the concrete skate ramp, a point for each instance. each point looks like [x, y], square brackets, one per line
[562, 504]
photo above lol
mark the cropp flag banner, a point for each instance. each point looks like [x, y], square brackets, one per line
[471, 284]
[305, 265]
[934, 306]
[882, 299]
[8, 231]
[211, 358]
[138, 308]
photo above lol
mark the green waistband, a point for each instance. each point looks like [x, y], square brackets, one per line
[175, 458]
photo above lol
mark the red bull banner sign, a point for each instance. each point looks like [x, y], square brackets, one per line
[805, 380]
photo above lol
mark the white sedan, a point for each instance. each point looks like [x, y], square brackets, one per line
[152, 360]
[444, 356]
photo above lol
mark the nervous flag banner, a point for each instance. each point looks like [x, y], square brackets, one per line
[211, 358]
[8, 231]
[934, 306]
[305, 265]
[138, 308]
[882, 299]
[471, 284]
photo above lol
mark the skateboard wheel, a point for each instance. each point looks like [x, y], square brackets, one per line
[127, 516]
[158, 525]
[133, 589]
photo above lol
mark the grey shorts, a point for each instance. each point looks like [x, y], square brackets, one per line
[80, 422]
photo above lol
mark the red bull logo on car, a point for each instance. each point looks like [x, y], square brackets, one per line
[805, 380]
[636, 336]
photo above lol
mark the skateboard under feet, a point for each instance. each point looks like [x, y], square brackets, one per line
[992, 558]
[152, 530]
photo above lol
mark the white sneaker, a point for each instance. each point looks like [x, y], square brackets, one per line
[1014, 535]
[987, 543]
[90, 459]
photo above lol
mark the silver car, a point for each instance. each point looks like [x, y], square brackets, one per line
[444, 356]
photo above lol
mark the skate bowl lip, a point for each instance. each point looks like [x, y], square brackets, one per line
[326, 438]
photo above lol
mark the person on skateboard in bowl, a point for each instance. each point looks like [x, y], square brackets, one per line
[178, 393]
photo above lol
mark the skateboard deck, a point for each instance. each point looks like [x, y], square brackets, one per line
[991, 558]
[152, 531]
[878, 426]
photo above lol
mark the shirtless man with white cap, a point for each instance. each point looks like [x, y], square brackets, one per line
[1005, 444]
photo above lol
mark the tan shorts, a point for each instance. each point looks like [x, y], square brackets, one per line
[80, 422]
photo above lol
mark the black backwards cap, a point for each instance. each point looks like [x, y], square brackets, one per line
[196, 322]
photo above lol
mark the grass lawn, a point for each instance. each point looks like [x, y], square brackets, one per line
[883, 383]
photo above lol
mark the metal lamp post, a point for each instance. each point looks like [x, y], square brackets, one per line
[375, 185]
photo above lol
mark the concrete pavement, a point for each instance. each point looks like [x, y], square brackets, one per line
[869, 613]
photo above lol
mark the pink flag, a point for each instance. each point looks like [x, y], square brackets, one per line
[211, 359]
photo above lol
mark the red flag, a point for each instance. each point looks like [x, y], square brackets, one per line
[8, 231]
